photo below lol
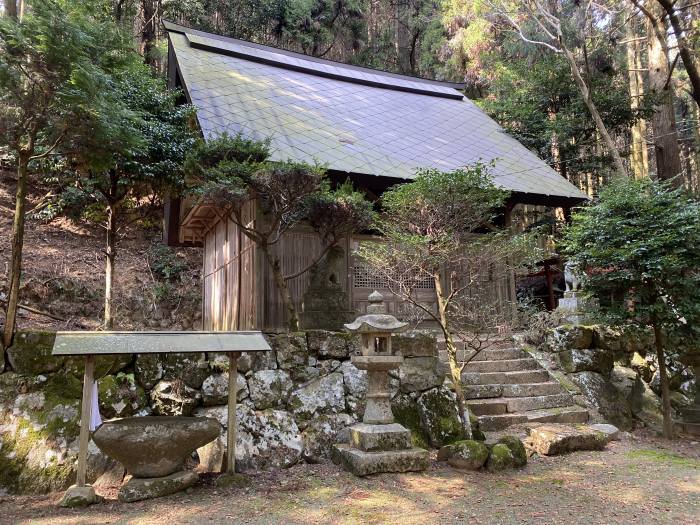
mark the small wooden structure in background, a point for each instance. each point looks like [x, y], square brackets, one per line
[92, 344]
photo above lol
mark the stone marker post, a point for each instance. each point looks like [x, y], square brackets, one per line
[378, 444]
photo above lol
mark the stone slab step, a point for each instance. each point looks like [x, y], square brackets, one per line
[518, 404]
[499, 354]
[504, 365]
[567, 415]
[518, 390]
[505, 378]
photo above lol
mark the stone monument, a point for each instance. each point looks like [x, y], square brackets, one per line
[573, 305]
[378, 444]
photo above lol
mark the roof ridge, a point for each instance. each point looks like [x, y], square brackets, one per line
[318, 66]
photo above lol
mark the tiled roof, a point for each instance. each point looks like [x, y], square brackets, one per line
[350, 119]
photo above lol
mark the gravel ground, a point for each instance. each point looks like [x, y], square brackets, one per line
[641, 479]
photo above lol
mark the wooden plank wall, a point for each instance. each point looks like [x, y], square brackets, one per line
[229, 275]
[299, 248]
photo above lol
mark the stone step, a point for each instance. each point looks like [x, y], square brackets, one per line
[505, 378]
[519, 390]
[504, 365]
[499, 354]
[512, 405]
[566, 415]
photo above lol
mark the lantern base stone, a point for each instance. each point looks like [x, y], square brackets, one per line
[363, 463]
[372, 438]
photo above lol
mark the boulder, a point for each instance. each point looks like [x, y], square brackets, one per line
[567, 337]
[148, 370]
[212, 456]
[643, 403]
[30, 353]
[611, 431]
[279, 442]
[466, 454]
[517, 449]
[292, 353]
[439, 418]
[354, 379]
[152, 446]
[552, 439]
[415, 343]
[270, 388]
[607, 338]
[642, 366]
[330, 345]
[500, 458]
[417, 374]
[174, 398]
[322, 433]
[215, 389]
[586, 360]
[406, 412]
[76, 496]
[602, 394]
[325, 395]
[137, 489]
[121, 396]
[192, 369]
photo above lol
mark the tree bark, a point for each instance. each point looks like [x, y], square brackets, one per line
[666, 148]
[147, 44]
[11, 10]
[455, 368]
[109, 264]
[17, 244]
[593, 110]
[639, 159]
[663, 375]
[689, 62]
[278, 276]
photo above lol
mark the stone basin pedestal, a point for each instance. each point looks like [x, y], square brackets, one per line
[378, 444]
[153, 450]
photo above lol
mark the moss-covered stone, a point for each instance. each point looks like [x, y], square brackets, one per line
[30, 353]
[192, 369]
[148, 370]
[406, 412]
[439, 417]
[500, 458]
[517, 449]
[468, 454]
[120, 396]
[104, 364]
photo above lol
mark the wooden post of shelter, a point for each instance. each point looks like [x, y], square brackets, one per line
[85, 417]
[232, 402]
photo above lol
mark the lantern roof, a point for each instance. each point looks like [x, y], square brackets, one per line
[376, 320]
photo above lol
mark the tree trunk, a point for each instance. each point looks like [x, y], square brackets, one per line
[147, 44]
[684, 51]
[109, 264]
[663, 375]
[666, 149]
[593, 110]
[639, 159]
[278, 276]
[402, 37]
[17, 245]
[11, 8]
[455, 368]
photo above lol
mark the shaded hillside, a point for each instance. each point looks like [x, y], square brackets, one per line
[155, 287]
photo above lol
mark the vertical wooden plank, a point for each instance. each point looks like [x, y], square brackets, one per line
[86, 412]
[232, 402]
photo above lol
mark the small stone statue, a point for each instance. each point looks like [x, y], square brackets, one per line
[572, 276]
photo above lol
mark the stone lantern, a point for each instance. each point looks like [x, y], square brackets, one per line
[378, 444]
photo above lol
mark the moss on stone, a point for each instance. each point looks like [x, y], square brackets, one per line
[439, 417]
[500, 458]
[30, 353]
[517, 449]
[406, 413]
[468, 454]
[120, 396]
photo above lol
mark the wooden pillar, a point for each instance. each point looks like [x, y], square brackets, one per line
[550, 287]
[85, 417]
[232, 401]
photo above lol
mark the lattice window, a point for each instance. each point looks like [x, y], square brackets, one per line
[365, 277]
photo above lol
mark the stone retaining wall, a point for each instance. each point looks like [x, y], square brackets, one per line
[615, 373]
[294, 402]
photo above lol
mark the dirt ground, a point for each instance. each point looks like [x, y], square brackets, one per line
[640, 479]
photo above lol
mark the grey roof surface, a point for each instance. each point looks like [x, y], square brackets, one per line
[350, 119]
[110, 343]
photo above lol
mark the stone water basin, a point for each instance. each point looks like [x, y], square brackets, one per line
[155, 446]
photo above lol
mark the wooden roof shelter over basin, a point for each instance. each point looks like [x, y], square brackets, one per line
[91, 344]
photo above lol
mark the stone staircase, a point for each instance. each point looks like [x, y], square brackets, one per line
[505, 386]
